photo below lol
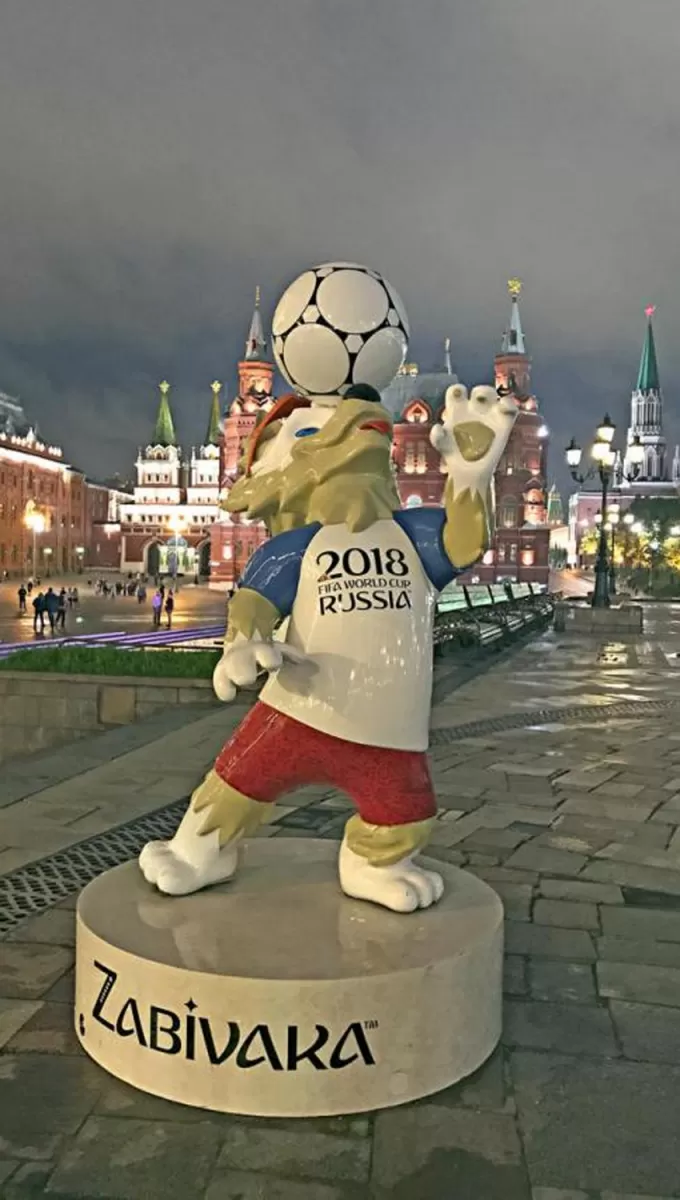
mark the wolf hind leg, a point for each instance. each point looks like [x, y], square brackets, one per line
[205, 848]
[376, 863]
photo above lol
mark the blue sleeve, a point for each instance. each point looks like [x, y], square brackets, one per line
[424, 527]
[274, 569]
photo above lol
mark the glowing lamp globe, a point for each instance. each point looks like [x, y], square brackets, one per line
[636, 452]
[606, 431]
[337, 325]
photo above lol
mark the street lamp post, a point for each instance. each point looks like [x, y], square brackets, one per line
[628, 522]
[604, 457]
[177, 525]
[35, 521]
[614, 518]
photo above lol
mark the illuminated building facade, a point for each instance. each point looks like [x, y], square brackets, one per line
[521, 543]
[51, 515]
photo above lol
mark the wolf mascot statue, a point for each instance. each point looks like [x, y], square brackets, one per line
[354, 578]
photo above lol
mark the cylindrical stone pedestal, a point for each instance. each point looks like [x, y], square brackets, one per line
[276, 996]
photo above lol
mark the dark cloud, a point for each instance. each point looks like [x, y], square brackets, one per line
[161, 158]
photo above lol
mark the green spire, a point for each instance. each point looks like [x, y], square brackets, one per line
[648, 375]
[212, 437]
[555, 507]
[164, 430]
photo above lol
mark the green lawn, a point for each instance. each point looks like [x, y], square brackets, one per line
[93, 660]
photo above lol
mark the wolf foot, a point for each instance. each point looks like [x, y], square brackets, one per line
[402, 887]
[163, 866]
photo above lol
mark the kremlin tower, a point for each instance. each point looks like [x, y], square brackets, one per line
[234, 538]
[522, 540]
[646, 411]
[165, 527]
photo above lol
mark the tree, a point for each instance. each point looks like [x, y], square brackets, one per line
[656, 513]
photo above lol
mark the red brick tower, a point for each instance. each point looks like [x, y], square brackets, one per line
[234, 538]
[522, 539]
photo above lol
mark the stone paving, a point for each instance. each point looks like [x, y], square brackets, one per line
[576, 824]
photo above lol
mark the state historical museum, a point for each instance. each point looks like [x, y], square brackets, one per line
[416, 399]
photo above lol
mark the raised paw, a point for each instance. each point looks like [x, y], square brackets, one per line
[474, 429]
[402, 887]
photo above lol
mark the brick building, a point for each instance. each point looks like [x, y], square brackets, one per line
[416, 399]
[521, 544]
[233, 537]
[49, 511]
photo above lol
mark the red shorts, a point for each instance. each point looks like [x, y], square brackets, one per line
[271, 754]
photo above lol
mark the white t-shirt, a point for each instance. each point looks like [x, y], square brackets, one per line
[363, 614]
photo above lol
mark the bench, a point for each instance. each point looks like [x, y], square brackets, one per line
[489, 615]
[513, 615]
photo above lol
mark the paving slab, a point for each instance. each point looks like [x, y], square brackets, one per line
[624, 950]
[128, 1160]
[298, 1152]
[55, 927]
[27, 971]
[543, 941]
[641, 923]
[567, 914]
[47, 1031]
[578, 890]
[515, 981]
[546, 861]
[647, 1032]
[42, 1098]
[567, 1028]
[431, 1152]
[487, 1089]
[598, 1124]
[632, 981]
[628, 875]
[557, 1194]
[563, 982]
[14, 1014]
[242, 1185]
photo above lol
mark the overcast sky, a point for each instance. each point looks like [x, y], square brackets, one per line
[162, 157]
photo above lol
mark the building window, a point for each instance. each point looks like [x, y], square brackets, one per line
[501, 553]
[417, 414]
[513, 553]
[413, 501]
[527, 558]
[508, 515]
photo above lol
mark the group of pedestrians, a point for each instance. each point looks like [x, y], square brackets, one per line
[52, 605]
[162, 602]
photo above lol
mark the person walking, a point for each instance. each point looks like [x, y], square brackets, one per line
[157, 608]
[169, 607]
[29, 586]
[21, 593]
[141, 594]
[61, 610]
[51, 607]
[39, 613]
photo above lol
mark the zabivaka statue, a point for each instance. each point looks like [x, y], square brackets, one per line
[338, 606]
